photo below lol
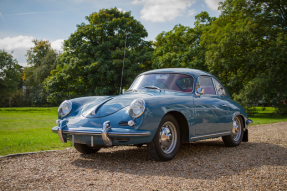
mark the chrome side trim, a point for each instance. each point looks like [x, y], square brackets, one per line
[106, 128]
[211, 135]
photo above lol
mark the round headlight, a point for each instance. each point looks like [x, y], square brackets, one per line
[65, 108]
[137, 108]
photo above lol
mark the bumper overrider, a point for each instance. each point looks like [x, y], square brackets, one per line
[107, 133]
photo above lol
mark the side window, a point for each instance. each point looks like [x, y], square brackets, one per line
[206, 83]
[219, 88]
[185, 83]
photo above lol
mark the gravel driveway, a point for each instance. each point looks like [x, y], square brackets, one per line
[260, 164]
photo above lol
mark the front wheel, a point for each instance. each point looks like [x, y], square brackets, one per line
[85, 149]
[236, 136]
[166, 141]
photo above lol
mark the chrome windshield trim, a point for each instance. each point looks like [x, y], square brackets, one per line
[211, 135]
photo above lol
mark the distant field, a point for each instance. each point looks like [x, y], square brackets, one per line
[29, 129]
[267, 116]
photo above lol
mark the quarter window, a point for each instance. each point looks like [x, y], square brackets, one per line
[219, 88]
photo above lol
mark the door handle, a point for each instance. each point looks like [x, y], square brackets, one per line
[224, 105]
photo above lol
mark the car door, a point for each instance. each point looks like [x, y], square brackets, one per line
[211, 113]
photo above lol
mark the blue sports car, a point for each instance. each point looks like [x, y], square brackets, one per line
[163, 108]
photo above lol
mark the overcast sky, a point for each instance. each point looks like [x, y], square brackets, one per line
[21, 21]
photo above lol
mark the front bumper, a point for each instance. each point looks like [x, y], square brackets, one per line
[106, 133]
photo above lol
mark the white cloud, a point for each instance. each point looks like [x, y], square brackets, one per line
[163, 10]
[191, 12]
[9, 43]
[57, 44]
[137, 2]
[121, 10]
[20, 44]
[213, 4]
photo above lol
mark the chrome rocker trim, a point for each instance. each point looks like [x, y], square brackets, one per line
[211, 135]
[105, 133]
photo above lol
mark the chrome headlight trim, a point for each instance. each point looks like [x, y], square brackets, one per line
[133, 104]
[60, 109]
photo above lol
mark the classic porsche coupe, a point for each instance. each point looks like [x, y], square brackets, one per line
[162, 108]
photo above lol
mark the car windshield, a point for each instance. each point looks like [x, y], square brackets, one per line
[176, 82]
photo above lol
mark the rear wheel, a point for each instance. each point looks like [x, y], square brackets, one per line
[85, 149]
[236, 136]
[166, 141]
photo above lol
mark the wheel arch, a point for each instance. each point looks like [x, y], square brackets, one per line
[183, 125]
[245, 130]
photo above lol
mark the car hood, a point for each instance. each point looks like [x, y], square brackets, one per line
[107, 105]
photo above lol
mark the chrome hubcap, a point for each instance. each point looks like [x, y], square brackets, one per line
[167, 137]
[236, 130]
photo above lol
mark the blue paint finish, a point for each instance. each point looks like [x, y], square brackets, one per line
[211, 116]
[205, 114]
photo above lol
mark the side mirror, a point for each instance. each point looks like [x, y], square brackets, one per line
[199, 91]
[123, 91]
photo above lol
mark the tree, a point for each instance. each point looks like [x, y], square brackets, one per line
[91, 63]
[41, 61]
[247, 50]
[181, 47]
[10, 76]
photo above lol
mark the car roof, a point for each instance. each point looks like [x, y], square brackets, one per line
[193, 72]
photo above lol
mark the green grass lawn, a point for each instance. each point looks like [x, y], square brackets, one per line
[28, 129]
[266, 116]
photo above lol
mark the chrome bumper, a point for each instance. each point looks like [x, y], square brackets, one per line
[249, 121]
[106, 133]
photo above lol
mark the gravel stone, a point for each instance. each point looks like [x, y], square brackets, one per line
[260, 164]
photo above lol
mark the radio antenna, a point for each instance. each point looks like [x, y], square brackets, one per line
[123, 65]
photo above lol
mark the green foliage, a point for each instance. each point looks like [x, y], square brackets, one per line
[247, 50]
[181, 47]
[10, 77]
[28, 129]
[91, 63]
[41, 60]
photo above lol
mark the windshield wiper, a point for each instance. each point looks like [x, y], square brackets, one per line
[152, 87]
[131, 90]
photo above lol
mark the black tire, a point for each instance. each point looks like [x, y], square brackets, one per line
[85, 149]
[236, 136]
[164, 148]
